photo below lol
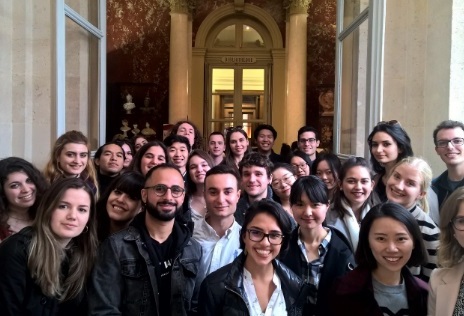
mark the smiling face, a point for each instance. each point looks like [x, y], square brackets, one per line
[111, 160]
[384, 148]
[357, 186]
[255, 181]
[265, 140]
[153, 156]
[216, 145]
[187, 130]
[127, 154]
[179, 154]
[391, 245]
[238, 144]
[309, 215]
[121, 207]
[197, 169]
[19, 190]
[221, 195]
[451, 155]
[308, 144]
[404, 186]
[70, 217]
[324, 173]
[282, 181]
[73, 159]
[261, 253]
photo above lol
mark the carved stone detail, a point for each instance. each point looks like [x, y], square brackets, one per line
[182, 6]
[297, 6]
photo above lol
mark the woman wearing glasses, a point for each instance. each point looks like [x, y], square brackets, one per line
[237, 146]
[282, 181]
[446, 296]
[255, 283]
[317, 253]
[301, 163]
[388, 144]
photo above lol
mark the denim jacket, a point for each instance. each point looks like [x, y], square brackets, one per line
[124, 282]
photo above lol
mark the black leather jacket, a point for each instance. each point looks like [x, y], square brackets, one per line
[123, 281]
[222, 292]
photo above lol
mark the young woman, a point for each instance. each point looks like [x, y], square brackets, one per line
[151, 154]
[237, 146]
[118, 206]
[198, 163]
[317, 253]
[301, 163]
[43, 268]
[129, 152]
[70, 157]
[388, 144]
[327, 167]
[139, 141]
[255, 283]
[21, 189]
[381, 284]
[282, 181]
[407, 185]
[189, 130]
[446, 296]
[353, 199]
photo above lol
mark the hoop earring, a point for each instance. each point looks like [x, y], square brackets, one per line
[86, 229]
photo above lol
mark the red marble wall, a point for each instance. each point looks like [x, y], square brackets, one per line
[138, 55]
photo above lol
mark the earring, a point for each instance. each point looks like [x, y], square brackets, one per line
[86, 229]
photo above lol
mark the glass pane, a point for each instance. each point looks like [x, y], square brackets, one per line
[352, 8]
[82, 82]
[222, 99]
[253, 103]
[88, 9]
[226, 38]
[251, 37]
[353, 92]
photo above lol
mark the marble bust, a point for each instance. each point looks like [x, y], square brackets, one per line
[129, 105]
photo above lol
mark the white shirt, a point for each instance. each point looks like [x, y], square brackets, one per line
[217, 251]
[276, 305]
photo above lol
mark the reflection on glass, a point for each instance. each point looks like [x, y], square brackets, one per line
[222, 92]
[353, 8]
[353, 92]
[88, 9]
[251, 37]
[81, 81]
[226, 38]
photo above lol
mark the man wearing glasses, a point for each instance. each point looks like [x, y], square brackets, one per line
[308, 141]
[448, 137]
[154, 266]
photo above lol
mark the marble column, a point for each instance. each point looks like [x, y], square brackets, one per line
[179, 65]
[296, 66]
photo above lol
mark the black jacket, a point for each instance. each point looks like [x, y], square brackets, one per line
[222, 292]
[19, 294]
[123, 281]
[440, 186]
[338, 261]
[243, 204]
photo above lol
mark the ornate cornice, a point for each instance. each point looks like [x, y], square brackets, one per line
[297, 6]
[181, 6]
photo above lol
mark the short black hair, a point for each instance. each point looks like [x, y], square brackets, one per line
[260, 127]
[102, 147]
[171, 139]
[314, 188]
[256, 159]
[332, 160]
[447, 124]
[308, 128]
[275, 210]
[223, 169]
[363, 254]
[162, 166]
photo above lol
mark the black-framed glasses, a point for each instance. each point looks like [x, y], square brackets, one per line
[161, 189]
[300, 166]
[285, 179]
[392, 122]
[257, 236]
[307, 140]
[458, 223]
[443, 143]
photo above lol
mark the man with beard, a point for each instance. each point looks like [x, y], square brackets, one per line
[154, 266]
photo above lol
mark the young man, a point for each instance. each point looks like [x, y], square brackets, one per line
[153, 267]
[109, 161]
[219, 233]
[178, 150]
[216, 147]
[265, 136]
[448, 137]
[308, 141]
[255, 171]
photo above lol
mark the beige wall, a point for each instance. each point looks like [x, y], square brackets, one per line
[26, 57]
[422, 40]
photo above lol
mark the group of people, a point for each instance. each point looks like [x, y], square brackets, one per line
[150, 227]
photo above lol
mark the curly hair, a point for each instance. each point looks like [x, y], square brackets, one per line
[197, 140]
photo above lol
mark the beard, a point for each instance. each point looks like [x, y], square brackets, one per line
[158, 214]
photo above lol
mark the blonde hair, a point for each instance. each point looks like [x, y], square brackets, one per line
[53, 171]
[46, 254]
[426, 172]
[450, 251]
